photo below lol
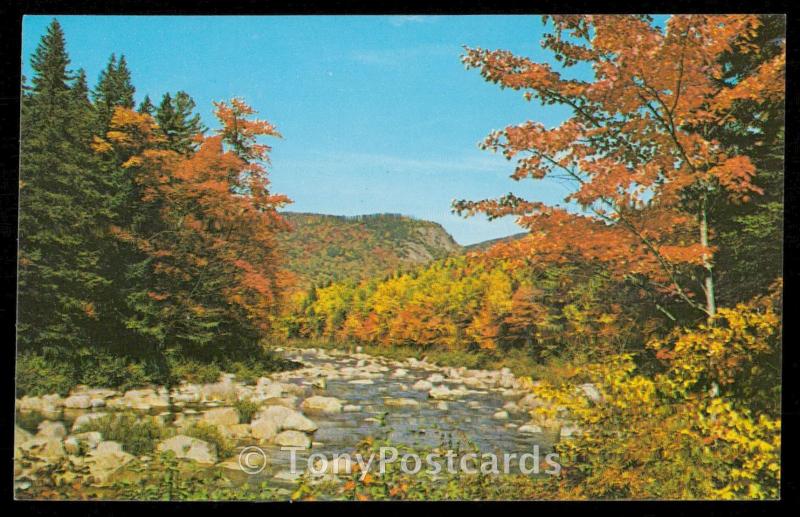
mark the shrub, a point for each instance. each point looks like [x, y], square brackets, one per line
[194, 371]
[702, 428]
[38, 375]
[137, 434]
[246, 409]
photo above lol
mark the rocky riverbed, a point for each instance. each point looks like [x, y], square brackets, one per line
[327, 406]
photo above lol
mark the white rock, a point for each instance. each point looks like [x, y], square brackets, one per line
[86, 419]
[501, 415]
[591, 392]
[319, 404]
[350, 408]
[189, 448]
[221, 416]
[264, 429]
[422, 385]
[298, 422]
[46, 448]
[398, 373]
[292, 439]
[78, 402]
[436, 378]
[529, 429]
[48, 429]
[400, 402]
[106, 459]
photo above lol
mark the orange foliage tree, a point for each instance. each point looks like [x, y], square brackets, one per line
[209, 268]
[637, 147]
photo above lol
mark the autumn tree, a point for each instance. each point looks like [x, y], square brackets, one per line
[640, 148]
[209, 272]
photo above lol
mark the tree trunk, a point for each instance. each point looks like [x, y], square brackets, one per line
[708, 284]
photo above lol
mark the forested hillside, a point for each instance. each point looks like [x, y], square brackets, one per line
[323, 248]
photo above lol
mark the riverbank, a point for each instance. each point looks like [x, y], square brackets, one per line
[334, 403]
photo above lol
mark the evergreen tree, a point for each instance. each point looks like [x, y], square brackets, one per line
[114, 89]
[177, 122]
[146, 106]
[62, 208]
[751, 234]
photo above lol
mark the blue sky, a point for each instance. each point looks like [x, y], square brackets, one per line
[377, 112]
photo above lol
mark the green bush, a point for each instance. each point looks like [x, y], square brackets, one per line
[138, 434]
[246, 409]
[193, 371]
[38, 375]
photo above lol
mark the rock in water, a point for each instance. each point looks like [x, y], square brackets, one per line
[529, 429]
[292, 439]
[422, 385]
[319, 404]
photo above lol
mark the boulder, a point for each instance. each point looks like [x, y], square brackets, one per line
[351, 408]
[436, 378]
[76, 443]
[319, 404]
[591, 392]
[444, 393]
[264, 429]
[422, 385]
[399, 373]
[82, 401]
[107, 459]
[21, 435]
[400, 402]
[529, 428]
[48, 429]
[298, 422]
[237, 431]
[292, 439]
[44, 448]
[221, 416]
[287, 419]
[86, 419]
[501, 415]
[187, 447]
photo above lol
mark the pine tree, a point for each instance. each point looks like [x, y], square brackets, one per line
[146, 106]
[114, 89]
[62, 208]
[177, 122]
